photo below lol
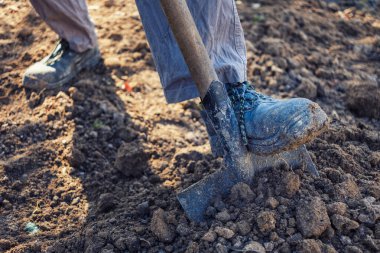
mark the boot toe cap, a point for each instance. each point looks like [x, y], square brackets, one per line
[39, 76]
[285, 125]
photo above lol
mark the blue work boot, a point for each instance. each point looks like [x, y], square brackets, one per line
[267, 125]
[59, 67]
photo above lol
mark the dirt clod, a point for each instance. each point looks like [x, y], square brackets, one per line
[241, 193]
[224, 232]
[160, 227]
[223, 216]
[309, 246]
[209, 236]
[131, 159]
[312, 218]
[363, 99]
[243, 227]
[254, 247]
[306, 89]
[272, 203]
[348, 189]
[343, 224]
[290, 184]
[266, 221]
[337, 208]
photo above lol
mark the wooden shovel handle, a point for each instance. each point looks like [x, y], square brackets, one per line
[190, 43]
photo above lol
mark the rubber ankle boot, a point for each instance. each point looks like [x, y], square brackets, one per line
[269, 125]
[59, 67]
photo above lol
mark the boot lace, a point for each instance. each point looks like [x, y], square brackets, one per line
[243, 96]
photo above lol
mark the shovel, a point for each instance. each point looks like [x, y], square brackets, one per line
[240, 165]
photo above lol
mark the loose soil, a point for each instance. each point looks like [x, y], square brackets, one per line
[95, 166]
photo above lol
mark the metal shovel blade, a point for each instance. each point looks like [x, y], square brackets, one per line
[196, 198]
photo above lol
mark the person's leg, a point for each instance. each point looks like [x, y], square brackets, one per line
[267, 125]
[222, 34]
[76, 50]
[70, 20]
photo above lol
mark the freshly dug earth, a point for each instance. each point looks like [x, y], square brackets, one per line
[95, 166]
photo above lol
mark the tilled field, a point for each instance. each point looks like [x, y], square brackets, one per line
[95, 166]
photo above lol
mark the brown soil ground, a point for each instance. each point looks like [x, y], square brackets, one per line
[60, 151]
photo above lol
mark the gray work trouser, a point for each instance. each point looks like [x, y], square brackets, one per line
[217, 21]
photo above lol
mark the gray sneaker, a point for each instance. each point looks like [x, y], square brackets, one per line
[267, 125]
[59, 67]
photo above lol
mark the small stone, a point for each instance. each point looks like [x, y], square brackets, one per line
[160, 228]
[344, 224]
[223, 216]
[106, 202]
[266, 221]
[254, 247]
[271, 203]
[210, 236]
[241, 192]
[243, 227]
[312, 217]
[337, 208]
[226, 233]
